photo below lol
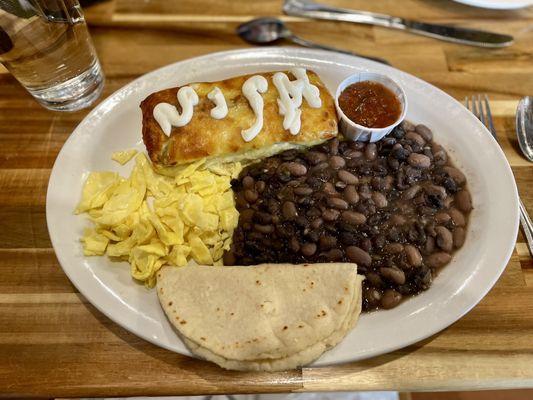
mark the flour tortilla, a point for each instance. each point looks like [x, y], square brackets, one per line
[266, 317]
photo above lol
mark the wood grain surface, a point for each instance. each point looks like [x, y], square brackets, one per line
[55, 344]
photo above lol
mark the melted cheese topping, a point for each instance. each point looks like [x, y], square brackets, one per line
[168, 116]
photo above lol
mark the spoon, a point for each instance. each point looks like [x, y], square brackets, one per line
[524, 126]
[269, 30]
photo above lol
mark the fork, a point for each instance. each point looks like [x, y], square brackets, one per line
[479, 106]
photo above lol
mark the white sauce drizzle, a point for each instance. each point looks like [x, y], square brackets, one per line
[252, 89]
[168, 116]
[221, 108]
[289, 101]
[310, 92]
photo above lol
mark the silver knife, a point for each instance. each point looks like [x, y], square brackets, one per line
[472, 37]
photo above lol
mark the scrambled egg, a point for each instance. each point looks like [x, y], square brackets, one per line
[152, 220]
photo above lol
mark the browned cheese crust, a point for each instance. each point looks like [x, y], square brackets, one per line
[206, 136]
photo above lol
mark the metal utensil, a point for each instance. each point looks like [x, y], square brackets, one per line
[472, 37]
[269, 30]
[480, 107]
[524, 126]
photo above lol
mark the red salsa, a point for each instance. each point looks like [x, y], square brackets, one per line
[370, 104]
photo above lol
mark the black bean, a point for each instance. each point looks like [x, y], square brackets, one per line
[372, 296]
[315, 157]
[246, 215]
[353, 218]
[379, 200]
[393, 274]
[251, 196]
[350, 194]
[419, 160]
[264, 228]
[393, 163]
[358, 256]
[415, 137]
[294, 244]
[397, 220]
[303, 191]
[248, 182]
[296, 169]
[334, 146]
[425, 132]
[329, 189]
[289, 210]
[410, 193]
[388, 142]
[302, 221]
[365, 192]
[308, 249]
[463, 201]
[333, 255]
[262, 217]
[313, 236]
[391, 298]
[459, 236]
[438, 260]
[327, 242]
[347, 177]
[353, 154]
[260, 186]
[399, 152]
[442, 218]
[314, 183]
[337, 162]
[330, 215]
[429, 246]
[371, 151]
[407, 125]
[338, 203]
[444, 238]
[457, 217]
[319, 168]
[413, 255]
[458, 177]
[374, 279]
[393, 248]
[316, 223]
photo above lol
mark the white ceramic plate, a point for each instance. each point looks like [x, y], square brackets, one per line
[498, 4]
[116, 125]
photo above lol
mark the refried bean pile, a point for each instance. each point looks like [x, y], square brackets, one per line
[398, 208]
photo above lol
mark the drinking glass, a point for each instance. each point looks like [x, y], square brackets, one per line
[46, 46]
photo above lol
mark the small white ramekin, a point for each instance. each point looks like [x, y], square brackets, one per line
[357, 132]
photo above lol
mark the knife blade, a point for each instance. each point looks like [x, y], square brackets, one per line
[472, 37]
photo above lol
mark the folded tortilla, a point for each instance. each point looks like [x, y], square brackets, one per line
[206, 137]
[269, 317]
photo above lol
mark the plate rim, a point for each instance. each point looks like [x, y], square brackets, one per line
[297, 53]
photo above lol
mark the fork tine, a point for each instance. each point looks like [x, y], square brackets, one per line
[466, 103]
[482, 111]
[489, 117]
[475, 109]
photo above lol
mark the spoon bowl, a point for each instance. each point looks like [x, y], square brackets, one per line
[263, 31]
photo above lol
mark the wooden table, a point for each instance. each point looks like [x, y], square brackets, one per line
[54, 344]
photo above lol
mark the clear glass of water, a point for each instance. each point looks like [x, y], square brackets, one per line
[46, 46]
